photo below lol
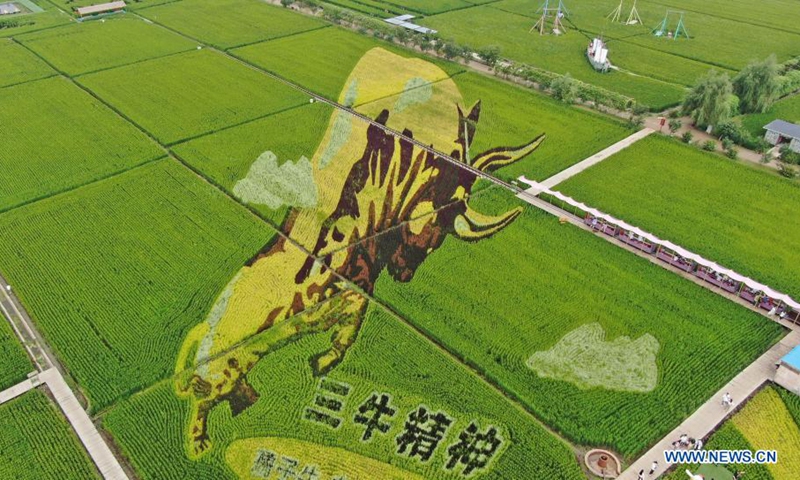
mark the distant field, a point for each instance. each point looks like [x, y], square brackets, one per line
[388, 357]
[89, 46]
[56, 136]
[14, 362]
[616, 338]
[226, 157]
[50, 17]
[70, 5]
[230, 23]
[787, 109]
[114, 273]
[770, 420]
[18, 65]
[732, 214]
[38, 444]
[486, 26]
[191, 94]
[321, 60]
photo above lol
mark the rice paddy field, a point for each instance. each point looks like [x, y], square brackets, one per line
[729, 212]
[18, 66]
[47, 16]
[245, 281]
[81, 48]
[652, 70]
[512, 306]
[37, 443]
[188, 95]
[86, 141]
[770, 420]
[14, 362]
[113, 272]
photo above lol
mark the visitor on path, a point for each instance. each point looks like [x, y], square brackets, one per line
[654, 467]
[727, 401]
[684, 440]
[693, 476]
[698, 445]
[641, 474]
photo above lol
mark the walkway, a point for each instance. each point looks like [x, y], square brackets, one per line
[95, 445]
[101, 455]
[596, 158]
[18, 389]
[703, 421]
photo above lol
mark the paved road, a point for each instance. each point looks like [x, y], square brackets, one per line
[17, 390]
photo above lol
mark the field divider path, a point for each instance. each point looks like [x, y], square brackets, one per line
[709, 416]
[50, 374]
[596, 158]
[98, 450]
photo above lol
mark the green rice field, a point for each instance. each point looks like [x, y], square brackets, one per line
[731, 213]
[114, 272]
[19, 66]
[85, 141]
[14, 362]
[38, 444]
[86, 47]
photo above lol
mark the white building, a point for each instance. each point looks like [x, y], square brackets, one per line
[782, 132]
[8, 9]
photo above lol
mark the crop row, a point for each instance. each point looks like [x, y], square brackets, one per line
[388, 358]
[37, 443]
[114, 273]
[498, 301]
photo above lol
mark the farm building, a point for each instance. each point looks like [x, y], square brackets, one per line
[8, 9]
[788, 374]
[780, 131]
[100, 9]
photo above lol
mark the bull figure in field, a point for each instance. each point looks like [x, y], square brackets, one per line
[384, 204]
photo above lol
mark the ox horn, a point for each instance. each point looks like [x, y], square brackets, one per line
[472, 225]
[498, 157]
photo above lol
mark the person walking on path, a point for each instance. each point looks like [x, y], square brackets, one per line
[727, 401]
[641, 474]
[654, 467]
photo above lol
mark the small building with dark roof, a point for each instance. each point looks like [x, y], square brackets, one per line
[783, 132]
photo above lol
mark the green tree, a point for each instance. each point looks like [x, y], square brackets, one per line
[565, 89]
[490, 55]
[711, 101]
[758, 85]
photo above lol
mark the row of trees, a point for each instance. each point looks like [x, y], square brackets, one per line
[716, 98]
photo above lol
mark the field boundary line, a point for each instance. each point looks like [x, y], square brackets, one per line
[711, 414]
[598, 157]
[25, 82]
[279, 37]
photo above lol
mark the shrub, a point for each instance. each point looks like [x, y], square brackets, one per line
[675, 125]
[709, 145]
[687, 137]
[564, 89]
[732, 153]
[727, 143]
[786, 170]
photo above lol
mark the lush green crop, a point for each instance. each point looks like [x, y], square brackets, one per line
[38, 444]
[56, 137]
[774, 14]
[69, 5]
[321, 60]
[18, 66]
[225, 157]
[14, 362]
[389, 358]
[114, 273]
[230, 23]
[191, 94]
[85, 47]
[497, 302]
[730, 213]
